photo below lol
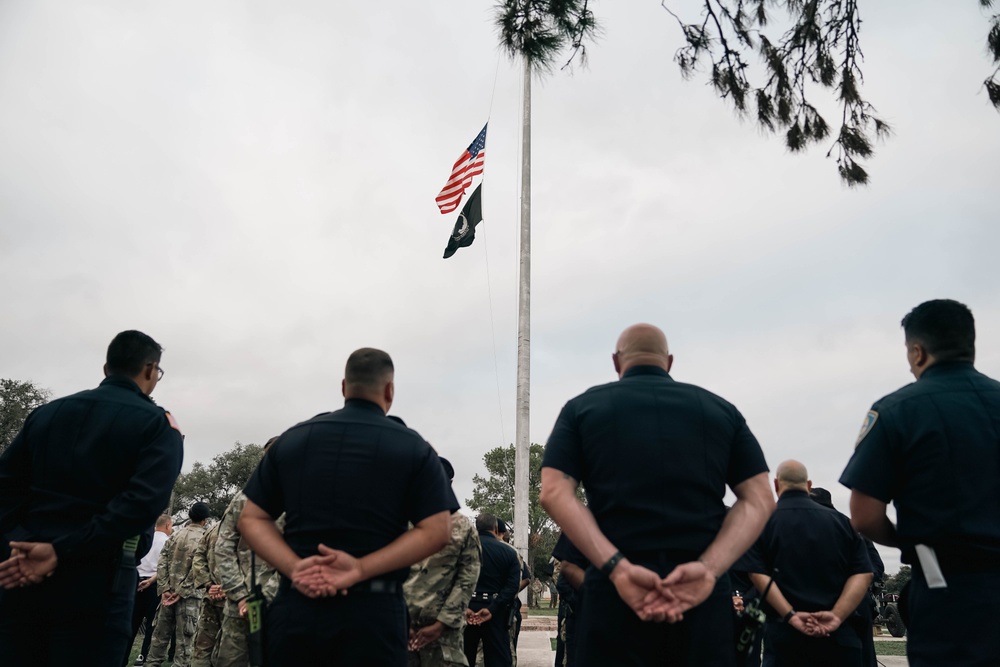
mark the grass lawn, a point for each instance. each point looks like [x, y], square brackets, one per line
[544, 611]
[890, 648]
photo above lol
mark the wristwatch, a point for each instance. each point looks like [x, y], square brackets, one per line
[608, 567]
[787, 617]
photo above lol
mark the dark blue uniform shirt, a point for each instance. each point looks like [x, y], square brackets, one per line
[654, 456]
[89, 471]
[500, 573]
[814, 548]
[934, 451]
[350, 479]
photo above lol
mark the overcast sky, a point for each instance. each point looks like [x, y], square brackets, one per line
[252, 184]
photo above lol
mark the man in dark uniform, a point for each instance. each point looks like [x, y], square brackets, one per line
[489, 608]
[503, 534]
[821, 574]
[655, 456]
[348, 481]
[85, 476]
[933, 449]
[572, 565]
[863, 618]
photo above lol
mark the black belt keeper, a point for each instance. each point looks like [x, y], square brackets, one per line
[377, 586]
[485, 596]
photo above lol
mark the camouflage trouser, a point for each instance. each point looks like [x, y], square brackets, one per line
[231, 649]
[448, 651]
[207, 635]
[180, 618]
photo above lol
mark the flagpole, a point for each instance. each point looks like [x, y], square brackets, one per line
[521, 457]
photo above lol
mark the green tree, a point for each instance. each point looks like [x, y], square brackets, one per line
[896, 582]
[17, 400]
[816, 47]
[494, 494]
[538, 30]
[217, 483]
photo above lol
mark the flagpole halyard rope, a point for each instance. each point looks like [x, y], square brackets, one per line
[489, 288]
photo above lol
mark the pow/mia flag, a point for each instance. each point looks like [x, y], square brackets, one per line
[464, 232]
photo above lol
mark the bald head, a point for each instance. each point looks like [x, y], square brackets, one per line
[791, 475]
[642, 345]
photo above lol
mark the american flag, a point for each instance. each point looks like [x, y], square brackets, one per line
[469, 164]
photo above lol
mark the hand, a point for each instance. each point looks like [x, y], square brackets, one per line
[738, 604]
[640, 589]
[338, 570]
[690, 584]
[243, 607]
[215, 592]
[309, 577]
[822, 623]
[145, 583]
[426, 635]
[802, 622]
[169, 598]
[470, 617]
[483, 615]
[29, 563]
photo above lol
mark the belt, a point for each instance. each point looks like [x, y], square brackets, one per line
[485, 596]
[387, 586]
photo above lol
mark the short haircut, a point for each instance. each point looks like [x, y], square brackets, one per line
[486, 523]
[449, 470]
[130, 352]
[944, 327]
[368, 368]
[822, 496]
[163, 520]
[199, 512]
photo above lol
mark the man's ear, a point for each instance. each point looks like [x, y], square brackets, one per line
[389, 392]
[670, 362]
[618, 366]
[105, 370]
[343, 387]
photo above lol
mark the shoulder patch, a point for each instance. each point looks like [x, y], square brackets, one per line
[173, 422]
[866, 426]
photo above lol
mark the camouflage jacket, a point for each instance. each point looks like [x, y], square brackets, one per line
[204, 566]
[439, 588]
[173, 572]
[232, 555]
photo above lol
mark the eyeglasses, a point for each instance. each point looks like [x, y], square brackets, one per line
[159, 369]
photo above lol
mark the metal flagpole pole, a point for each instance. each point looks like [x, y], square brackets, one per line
[521, 471]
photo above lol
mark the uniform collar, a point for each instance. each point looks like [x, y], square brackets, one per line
[795, 493]
[124, 382]
[363, 404]
[947, 367]
[646, 370]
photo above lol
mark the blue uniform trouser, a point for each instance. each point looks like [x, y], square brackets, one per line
[955, 626]
[610, 633]
[72, 618]
[355, 630]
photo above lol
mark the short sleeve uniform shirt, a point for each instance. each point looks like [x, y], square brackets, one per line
[933, 449]
[352, 480]
[654, 457]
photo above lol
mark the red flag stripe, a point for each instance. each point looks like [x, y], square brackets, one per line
[461, 178]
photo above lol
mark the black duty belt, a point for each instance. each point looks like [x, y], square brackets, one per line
[485, 596]
[386, 586]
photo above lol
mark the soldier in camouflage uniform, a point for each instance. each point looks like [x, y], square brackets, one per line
[206, 577]
[437, 594]
[232, 555]
[180, 601]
